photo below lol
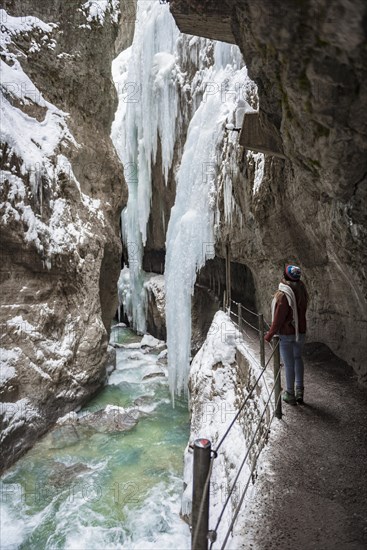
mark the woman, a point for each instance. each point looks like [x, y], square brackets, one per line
[289, 323]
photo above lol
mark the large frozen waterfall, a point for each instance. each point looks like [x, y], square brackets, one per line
[146, 79]
[159, 73]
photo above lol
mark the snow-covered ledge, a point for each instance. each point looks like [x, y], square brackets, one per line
[221, 374]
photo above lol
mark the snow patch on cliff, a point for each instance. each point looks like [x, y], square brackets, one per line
[97, 10]
[36, 136]
[8, 361]
[31, 140]
[15, 415]
[12, 26]
[53, 352]
[61, 233]
[259, 160]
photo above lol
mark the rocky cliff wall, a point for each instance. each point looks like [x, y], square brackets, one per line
[62, 190]
[309, 63]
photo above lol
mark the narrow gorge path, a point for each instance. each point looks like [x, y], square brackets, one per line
[313, 492]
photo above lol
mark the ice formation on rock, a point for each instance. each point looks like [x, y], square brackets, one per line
[146, 76]
[191, 236]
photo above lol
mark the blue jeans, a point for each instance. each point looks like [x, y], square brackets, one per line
[291, 352]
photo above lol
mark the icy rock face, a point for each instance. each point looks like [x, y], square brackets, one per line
[308, 63]
[204, 307]
[220, 377]
[152, 300]
[156, 302]
[62, 189]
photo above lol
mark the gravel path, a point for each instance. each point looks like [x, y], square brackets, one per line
[313, 492]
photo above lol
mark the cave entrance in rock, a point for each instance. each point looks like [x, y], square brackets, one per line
[154, 261]
[213, 276]
[210, 286]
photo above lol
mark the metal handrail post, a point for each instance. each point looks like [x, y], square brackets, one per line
[200, 501]
[277, 384]
[262, 341]
[228, 273]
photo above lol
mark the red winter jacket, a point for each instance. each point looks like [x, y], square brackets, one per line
[283, 315]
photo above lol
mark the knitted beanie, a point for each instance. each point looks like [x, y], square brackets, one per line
[292, 273]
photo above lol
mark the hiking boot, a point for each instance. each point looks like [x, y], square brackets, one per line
[299, 396]
[289, 398]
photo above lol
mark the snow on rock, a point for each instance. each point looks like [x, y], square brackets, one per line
[12, 26]
[156, 284]
[16, 415]
[156, 305]
[259, 160]
[9, 357]
[22, 325]
[162, 356]
[57, 220]
[69, 418]
[33, 142]
[96, 10]
[156, 374]
[152, 291]
[52, 353]
[37, 135]
[6, 373]
[150, 341]
[220, 377]
[118, 326]
[110, 419]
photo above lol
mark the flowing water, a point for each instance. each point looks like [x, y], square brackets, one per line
[81, 489]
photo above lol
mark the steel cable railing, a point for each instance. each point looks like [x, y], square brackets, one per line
[249, 395]
[239, 472]
[245, 308]
[240, 327]
[212, 535]
[240, 316]
[215, 451]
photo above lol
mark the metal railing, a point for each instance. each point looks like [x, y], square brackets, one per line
[204, 455]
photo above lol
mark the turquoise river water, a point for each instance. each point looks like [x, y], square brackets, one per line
[92, 489]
